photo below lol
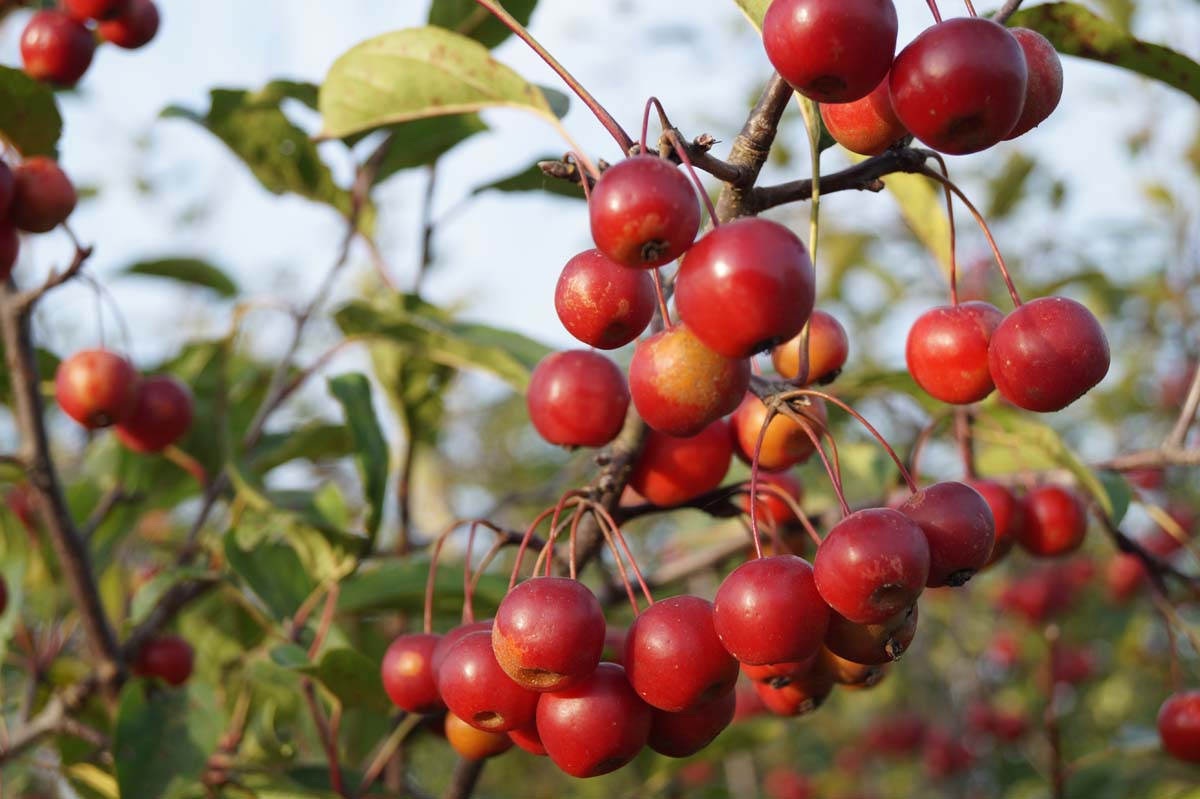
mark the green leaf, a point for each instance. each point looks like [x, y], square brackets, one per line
[278, 152]
[922, 204]
[396, 585]
[353, 391]
[47, 363]
[273, 571]
[353, 678]
[424, 331]
[29, 117]
[532, 178]
[1074, 30]
[471, 19]
[312, 442]
[186, 270]
[1008, 187]
[416, 74]
[291, 656]
[424, 141]
[163, 738]
[1120, 494]
[754, 10]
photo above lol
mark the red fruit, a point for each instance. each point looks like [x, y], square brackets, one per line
[679, 385]
[10, 248]
[798, 697]
[1179, 725]
[670, 471]
[602, 303]
[1004, 651]
[747, 703]
[686, 733]
[20, 500]
[867, 126]
[1047, 354]
[947, 351]
[1055, 521]
[96, 388]
[1124, 576]
[548, 633]
[960, 85]
[872, 644]
[161, 417]
[8, 187]
[577, 398]
[134, 27]
[1007, 513]
[644, 212]
[1044, 87]
[447, 642]
[780, 674]
[833, 51]
[958, 525]
[43, 195]
[751, 264]
[897, 736]
[1074, 665]
[56, 48]
[848, 673]
[84, 10]
[472, 743]
[167, 657]
[407, 673]
[1037, 596]
[478, 691]
[873, 564]
[768, 611]
[781, 783]
[945, 755]
[771, 508]
[528, 739]
[673, 658]
[828, 346]
[786, 443]
[596, 726]
[614, 645]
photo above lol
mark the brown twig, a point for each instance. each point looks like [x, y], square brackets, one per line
[1007, 10]
[1187, 415]
[752, 146]
[115, 496]
[328, 741]
[463, 779]
[865, 176]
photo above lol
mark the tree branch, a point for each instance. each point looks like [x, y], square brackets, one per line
[752, 146]
[462, 780]
[1007, 10]
[1187, 414]
[864, 176]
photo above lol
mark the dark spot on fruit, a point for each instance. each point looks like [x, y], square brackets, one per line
[960, 577]
[488, 719]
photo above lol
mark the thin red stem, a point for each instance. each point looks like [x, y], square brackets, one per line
[971, 8]
[439, 542]
[950, 216]
[662, 298]
[762, 435]
[834, 478]
[801, 378]
[912, 486]
[603, 514]
[612, 546]
[937, 15]
[525, 539]
[687, 162]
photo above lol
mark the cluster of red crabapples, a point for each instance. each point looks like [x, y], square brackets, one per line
[58, 43]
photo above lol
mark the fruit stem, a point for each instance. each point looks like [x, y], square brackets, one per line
[662, 299]
[606, 517]
[962, 436]
[937, 15]
[606, 119]
[438, 543]
[970, 8]
[804, 366]
[953, 233]
[555, 512]
[918, 447]
[681, 151]
[1012, 290]
[606, 531]
[809, 392]
[662, 119]
[835, 478]
[812, 125]
[186, 462]
[762, 434]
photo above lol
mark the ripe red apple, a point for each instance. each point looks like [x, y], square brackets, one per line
[1055, 521]
[780, 674]
[670, 471]
[447, 642]
[771, 508]
[43, 195]
[872, 644]
[596, 726]
[167, 657]
[867, 126]
[672, 632]
[833, 51]
[799, 697]
[644, 212]
[84, 10]
[828, 346]
[958, 524]
[680, 386]
[768, 610]
[959, 86]
[686, 733]
[472, 743]
[577, 398]
[947, 351]
[1047, 354]
[528, 739]
[478, 691]
[132, 28]
[602, 303]
[756, 266]
[1044, 88]
[96, 388]
[407, 673]
[785, 443]
[56, 48]
[548, 633]
[1179, 725]
[161, 416]
[1007, 513]
[848, 673]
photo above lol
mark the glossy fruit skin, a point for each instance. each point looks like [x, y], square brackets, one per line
[135, 27]
[577, 398]
[959, 86]
[679, 386]
[780, 674]
[772, 509]
[872, 644]
[407, 673]
[832, 51]
[1055, 521]
[56, 48]
[447, 642]
[161, 416]
[958, 525]
[848, 673]
[8, 188]
[472, 743]
[84, 10]
[43, 195]
[768, 610]
[478, 691]
[1179, 725]
[548, 633]
[745, 287]
[873, 564]
[1007, 513]
[673, 658]
[828, 347]
[1044, 87]
[596, 726]
[785, 444]
[670, 470]
[868, 126]
[527, 738]
[798, 697]
[684, 734]
[167, 657]
[96, 388]
[644, 212]
[947, 351]
[602, 303]
[10, 248]
[1047, 354]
